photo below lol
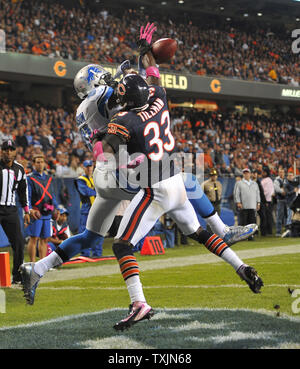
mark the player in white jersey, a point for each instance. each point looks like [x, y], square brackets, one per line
[98, 106]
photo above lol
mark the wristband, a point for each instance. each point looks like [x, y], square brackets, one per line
[152, 71]
[26, 209]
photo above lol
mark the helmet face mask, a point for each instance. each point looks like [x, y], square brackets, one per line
[88, 78]
[133, 92]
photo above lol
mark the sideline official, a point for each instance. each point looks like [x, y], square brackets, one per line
[12, 182]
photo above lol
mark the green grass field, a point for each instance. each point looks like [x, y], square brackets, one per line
[199, 301]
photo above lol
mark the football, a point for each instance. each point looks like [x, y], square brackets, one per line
[164, 49]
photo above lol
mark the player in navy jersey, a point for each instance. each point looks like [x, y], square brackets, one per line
[144, 127]
[94, 112]
[149, 132]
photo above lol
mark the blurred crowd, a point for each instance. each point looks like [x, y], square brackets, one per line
[228, 142]
[38, 129]
[246, 51]
[232, 141]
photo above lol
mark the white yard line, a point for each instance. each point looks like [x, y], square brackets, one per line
[235, 285]
[157, 263]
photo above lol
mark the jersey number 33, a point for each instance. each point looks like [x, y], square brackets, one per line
[162, 139]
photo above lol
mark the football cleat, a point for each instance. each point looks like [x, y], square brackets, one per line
[30, 281]
[138, 311]
[250, 276]
[239, 233]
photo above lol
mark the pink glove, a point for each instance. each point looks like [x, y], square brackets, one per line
[146, 34]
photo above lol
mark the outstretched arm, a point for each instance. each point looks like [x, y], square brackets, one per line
[152, 72]
[146, 58]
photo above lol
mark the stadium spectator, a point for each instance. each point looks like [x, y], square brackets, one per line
[247, 198]
[235, 209]
[41, 196]
[210, 48]
[257, 177]
[242, 147]
[268, 187]
[62, 167]
[290, 187]
[281, 206]
[60, 229]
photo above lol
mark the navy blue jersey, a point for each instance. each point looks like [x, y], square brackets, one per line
[148, 132]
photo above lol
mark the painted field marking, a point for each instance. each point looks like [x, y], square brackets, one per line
[101, 270]
[170, 328]
[114, 342]
[236, 336]
[167, 310]
[71, 288]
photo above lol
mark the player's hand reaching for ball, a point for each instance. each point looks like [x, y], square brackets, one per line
[144, 42]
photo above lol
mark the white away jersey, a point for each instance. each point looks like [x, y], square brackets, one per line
[93, 113]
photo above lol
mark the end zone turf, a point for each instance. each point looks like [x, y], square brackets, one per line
[168, 329]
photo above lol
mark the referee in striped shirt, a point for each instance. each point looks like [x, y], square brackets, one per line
[12, 181]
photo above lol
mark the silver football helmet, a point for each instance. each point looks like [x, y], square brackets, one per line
[88, 78]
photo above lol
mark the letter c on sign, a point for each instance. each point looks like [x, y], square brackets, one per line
[60, 68]
[215, 85]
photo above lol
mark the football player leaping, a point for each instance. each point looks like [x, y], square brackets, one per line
[93, 84]
[144, 126]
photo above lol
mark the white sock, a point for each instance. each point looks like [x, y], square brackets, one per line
[231, 257]
[216, 224]
[52, 260]
[135, 289]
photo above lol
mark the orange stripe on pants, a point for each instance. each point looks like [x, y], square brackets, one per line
[136, 218]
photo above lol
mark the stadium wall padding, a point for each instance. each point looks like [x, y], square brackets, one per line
[61, 72]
